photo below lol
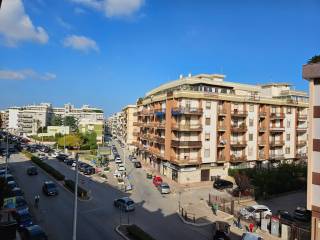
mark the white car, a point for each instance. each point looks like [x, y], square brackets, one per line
[118, 160]
[121, 168]
[255, 211]
[251, 236]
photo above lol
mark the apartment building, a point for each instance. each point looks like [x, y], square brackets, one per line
[197, 127]
[28, 119]
[114, 126]
[311, 72]
[2, 119]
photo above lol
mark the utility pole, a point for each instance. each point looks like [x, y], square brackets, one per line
[64, 138]
[7, 153]
[74, 235]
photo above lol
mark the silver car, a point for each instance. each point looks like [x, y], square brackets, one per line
[124, 203]
[164, 188]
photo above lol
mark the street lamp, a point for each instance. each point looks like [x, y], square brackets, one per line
[75, 207]
[7, 153]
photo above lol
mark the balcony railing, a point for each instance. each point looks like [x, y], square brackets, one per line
[276, 129]
[301, 143]
[160, 125]
[159, 112]
[186, 144]
[276, 143]
[239, 114]
[262, 156]
[234, 158]
[302, 117]
[186, 110]
[222, 111]
[221, 128]
[301, 155]
[262, 114]
[276, 156]
[239, 128]
[277, 116]
[302, 128]
[262, 129]
[136, 134]
[187, 127]
[238, 144]
[221, 158]
[185, 160]
[261, 142]
[159, 139]
[221, 143]
[137, 124]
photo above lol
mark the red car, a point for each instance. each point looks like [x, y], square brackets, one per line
[157, 180]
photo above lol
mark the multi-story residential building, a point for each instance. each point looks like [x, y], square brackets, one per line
[28, 119]
[2, 119]
[114, 127]
[311, 72]
[198, 126]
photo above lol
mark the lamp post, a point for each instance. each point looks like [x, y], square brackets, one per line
[7, 153]
[64, 138]
[75, 207]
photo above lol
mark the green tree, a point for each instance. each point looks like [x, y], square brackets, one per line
[89, 141]
[314, 59]
[71, 122]
[56, 120]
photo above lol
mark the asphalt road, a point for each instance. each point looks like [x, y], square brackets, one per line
[97, 218]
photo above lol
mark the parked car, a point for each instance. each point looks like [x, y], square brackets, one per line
[89, 170]
[121, 168]
[250, 236]
[285, 216]
[124, 203]
[137, 164]
[61, 157]
[16, 192]
[255, 211]
[164, 188]
[83, 166]
[118, 160]
[9, 178]
[222, 184]
[49, 188]
[157, 180]
[23, 218]
[32, 171]
[33, 232]
[21, 204]
[12, 184]
[68, 162]
[302, 214]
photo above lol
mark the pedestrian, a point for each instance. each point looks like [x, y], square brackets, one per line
[36, 201]
[251, 226]
[215, 208]
[239, 222]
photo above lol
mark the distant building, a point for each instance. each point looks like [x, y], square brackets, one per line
[53, 130]
[28, 119]
[197, 127]
[311, 72]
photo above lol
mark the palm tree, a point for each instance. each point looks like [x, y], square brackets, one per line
[314, 59]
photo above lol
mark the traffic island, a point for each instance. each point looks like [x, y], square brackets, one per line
[82, 193]
[132, 232]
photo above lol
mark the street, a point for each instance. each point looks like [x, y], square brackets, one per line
[97, 218]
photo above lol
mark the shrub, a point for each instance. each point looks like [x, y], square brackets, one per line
[138, 233]
[82, 193]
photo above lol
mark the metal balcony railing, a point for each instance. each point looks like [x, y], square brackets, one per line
[186, 144]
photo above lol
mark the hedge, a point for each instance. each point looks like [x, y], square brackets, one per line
[52, 171]
[82, 193]
[138, 233]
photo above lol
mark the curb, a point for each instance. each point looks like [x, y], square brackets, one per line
[229, 217]
[120, 233]
[193, 224]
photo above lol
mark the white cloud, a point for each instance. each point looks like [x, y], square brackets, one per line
[80, 43]
[25, 74]
[16, 26]
[113, 8]
[63, 23]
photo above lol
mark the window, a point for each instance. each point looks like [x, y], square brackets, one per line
[289, 110]
[288, 123]
[250, 137]
[207, 136]
[251, 108]
[288, 137]
[251, 122]
[208, 121]
[223, 90]
[208, 105]
[207, 153]
[287, 150]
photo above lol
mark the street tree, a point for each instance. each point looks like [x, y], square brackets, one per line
[56, 120]
[71, 122]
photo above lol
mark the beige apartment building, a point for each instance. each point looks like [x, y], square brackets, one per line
[311, 72]
[197, 127]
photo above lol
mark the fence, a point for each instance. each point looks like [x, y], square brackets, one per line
[190, 217]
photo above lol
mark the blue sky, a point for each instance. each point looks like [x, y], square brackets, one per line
[107, 53]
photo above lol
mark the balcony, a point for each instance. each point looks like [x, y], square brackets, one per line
[262, 114]
[222, 111]
[221, 158]
[222, 143]
[301, 143]
[301, 156]
[276, 143]
[276, 156]
[302, 117]
[239, 114]
[239, 128]
[236, 159]
[186, 144]
[276, 129]
[238, 144]
[274, 116]
[301, 129]
[159, 112]
[261, 143]
[185, 160]
[187, 127]
[156, 152]
[221, 128]
[262, 129]
[161, 125]
[262, 156]
[137, 124]
[186, 111]
[150, 124]
[136, 134]
[159, 139]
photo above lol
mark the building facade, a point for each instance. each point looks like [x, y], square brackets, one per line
[197, 127]
[311, 72]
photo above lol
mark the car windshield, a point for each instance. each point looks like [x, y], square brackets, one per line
[130, 203]
[250, 209]
[165, 186]
[51, 185]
